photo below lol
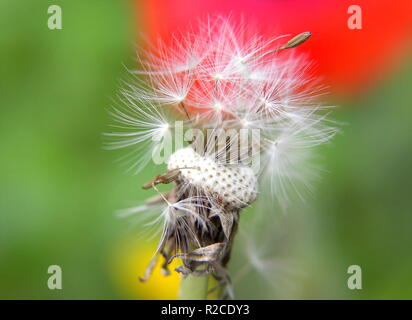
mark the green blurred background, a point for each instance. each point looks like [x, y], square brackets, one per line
[59, 190]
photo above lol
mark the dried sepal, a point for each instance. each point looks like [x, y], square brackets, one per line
[165, 178]
[149, 269]
[226, 220]
[165, 264]
[208, 254]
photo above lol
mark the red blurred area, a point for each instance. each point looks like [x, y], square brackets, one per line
[347, 60]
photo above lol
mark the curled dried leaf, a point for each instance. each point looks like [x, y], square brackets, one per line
[208, 254]
[149, 269]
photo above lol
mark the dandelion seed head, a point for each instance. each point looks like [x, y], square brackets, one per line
[236, 186]
[223, 78]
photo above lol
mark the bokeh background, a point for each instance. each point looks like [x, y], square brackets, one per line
[59, 190]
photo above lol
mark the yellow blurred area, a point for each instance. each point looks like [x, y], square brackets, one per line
[129, 262]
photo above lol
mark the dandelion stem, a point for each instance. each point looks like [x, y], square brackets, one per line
[193, 287]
